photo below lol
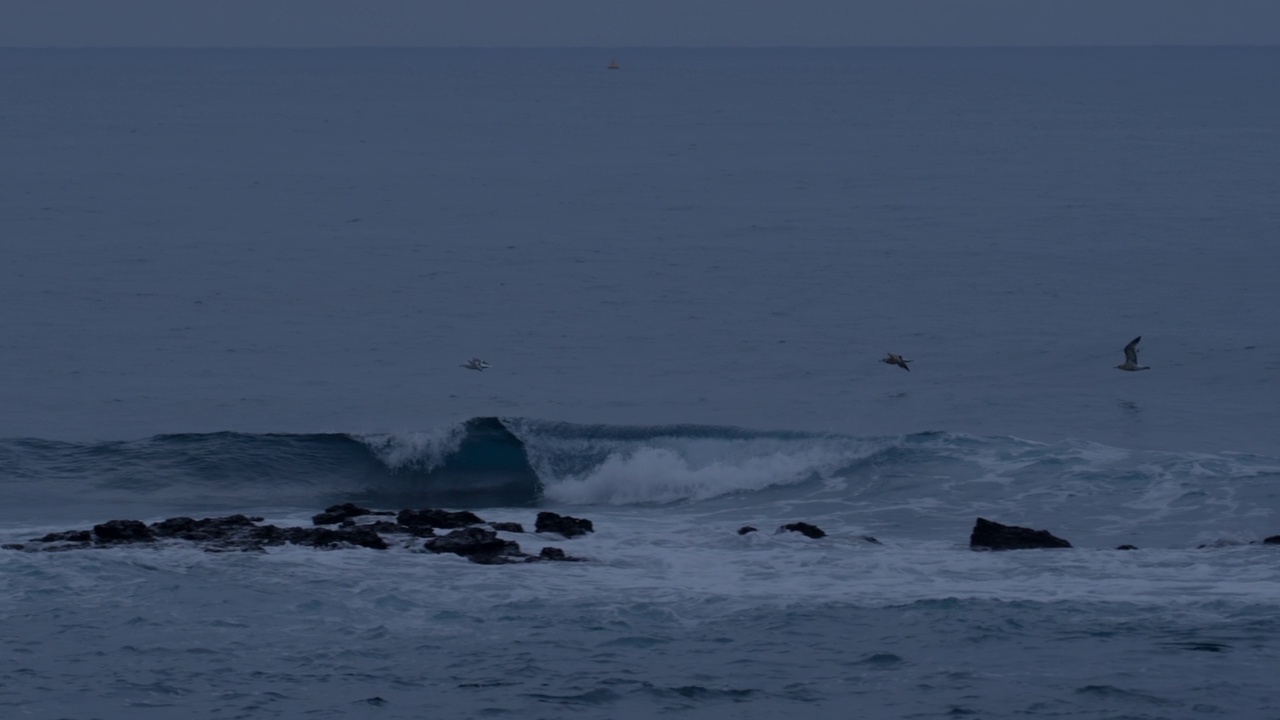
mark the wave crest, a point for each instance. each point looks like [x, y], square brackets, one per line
[421, 451]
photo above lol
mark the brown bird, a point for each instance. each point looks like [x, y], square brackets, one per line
[896, 359]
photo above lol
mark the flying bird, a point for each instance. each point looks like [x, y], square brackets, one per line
[475, 364]
[1131, 357]
[896, 359]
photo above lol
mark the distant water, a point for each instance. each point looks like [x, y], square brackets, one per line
[243, 281]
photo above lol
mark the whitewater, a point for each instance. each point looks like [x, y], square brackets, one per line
[243, 281]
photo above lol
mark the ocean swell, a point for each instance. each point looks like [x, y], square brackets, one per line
[933, 484]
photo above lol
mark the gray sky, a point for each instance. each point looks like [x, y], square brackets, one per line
[611, 23]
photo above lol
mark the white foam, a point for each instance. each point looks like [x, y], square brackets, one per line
[664, 474]
[424, 450]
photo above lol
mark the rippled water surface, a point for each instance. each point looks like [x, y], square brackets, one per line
[243, 281]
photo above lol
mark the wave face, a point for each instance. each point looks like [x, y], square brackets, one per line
[926, 484]
[923, 484]
[475, 464]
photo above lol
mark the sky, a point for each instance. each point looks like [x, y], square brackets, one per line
[634, 23]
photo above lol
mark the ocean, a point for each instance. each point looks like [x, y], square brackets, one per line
[244, 281]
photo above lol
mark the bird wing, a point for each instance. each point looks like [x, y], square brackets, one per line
[1131, 350]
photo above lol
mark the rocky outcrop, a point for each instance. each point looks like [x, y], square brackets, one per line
[211, 530]
[563, 524]
[485, 547]
[342, 513]
[442, 519]
[557, 555]
[122, 531]
[746, 530]
[804, 528]
[79, 536]
[337, 527]
[327, 538]
[478, 545]
[1273, 540]
[988, 535]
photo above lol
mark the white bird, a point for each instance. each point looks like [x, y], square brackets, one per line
[1131, 357]
[475, 364]
[896, 359]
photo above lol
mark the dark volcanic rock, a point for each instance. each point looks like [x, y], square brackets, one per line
[433, 518]
[68, 540]
[804, 528]
[477, 545]
[555, 554]
[746, 529]
[988, 535]
[238, 532]
[232, 527]
[122, 531]
[563, 524]
[82, 536]
[1127, 547]
[327, 538]
[341, 513]
[387, 526]
[1273, 540]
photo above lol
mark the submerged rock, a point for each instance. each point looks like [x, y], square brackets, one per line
[512, 527]
[1220, 543]
[327, 538]
[555, 554]
[746, 529]
[342, 513]
[988, 535]
[562, 524]
[387, 526]
[82, 536]
[477, 545]
[804, 528]
[1127, 547]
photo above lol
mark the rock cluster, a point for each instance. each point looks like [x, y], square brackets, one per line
[562, 524]
[468, 538]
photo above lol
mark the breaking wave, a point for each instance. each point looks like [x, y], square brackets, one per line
[489, 462]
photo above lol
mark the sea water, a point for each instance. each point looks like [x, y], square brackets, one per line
[244, 281]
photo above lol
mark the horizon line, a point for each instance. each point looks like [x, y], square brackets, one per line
[1079, 46]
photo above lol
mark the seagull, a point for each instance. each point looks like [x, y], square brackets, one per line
[896, 359]
[1131, 357]
[475, 364]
